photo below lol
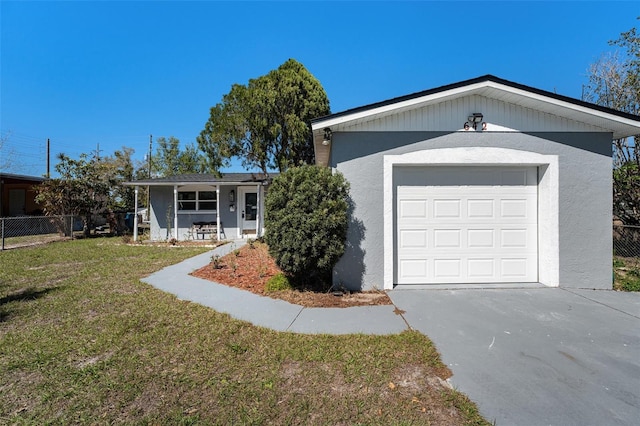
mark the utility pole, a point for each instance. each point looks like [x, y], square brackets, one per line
[148, 187]
[150, 144]
[48, 158]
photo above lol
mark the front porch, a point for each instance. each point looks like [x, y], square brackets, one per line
[204, 206]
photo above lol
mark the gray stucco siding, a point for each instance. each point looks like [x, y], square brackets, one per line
[162, 209]
[585, 197]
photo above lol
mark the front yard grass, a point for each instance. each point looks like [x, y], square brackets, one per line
[626, 274]
[83, 341]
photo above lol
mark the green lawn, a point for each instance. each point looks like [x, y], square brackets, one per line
[83, 341]
[626, 274]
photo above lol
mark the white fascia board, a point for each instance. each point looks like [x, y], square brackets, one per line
[564, 104]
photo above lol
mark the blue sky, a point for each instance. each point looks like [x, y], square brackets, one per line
[111, 73]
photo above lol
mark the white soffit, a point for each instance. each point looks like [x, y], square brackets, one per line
[620, 126]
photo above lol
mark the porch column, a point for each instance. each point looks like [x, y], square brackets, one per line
[218, 212]
[175, 212]
[258, 213]
[135, 214]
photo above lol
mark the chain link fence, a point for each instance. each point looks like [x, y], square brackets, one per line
[626, 242]
[29, 230]
[25, 231]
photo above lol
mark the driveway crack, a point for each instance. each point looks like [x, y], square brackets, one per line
[600, 303]
[400, 313]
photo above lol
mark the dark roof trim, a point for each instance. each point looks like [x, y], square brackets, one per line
[477, 80]
[205, 178]
[21, 177]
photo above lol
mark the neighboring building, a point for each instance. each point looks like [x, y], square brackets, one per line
[201, 205]
[17, 196]
[485, 182]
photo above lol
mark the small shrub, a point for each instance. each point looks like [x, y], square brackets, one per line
[233, 264]
[216, 262]
[262, 270]
[278, 282]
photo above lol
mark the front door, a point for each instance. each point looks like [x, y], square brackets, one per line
[17, 202]
[248, 211]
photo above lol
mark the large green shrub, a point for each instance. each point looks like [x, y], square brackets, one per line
[306, 222]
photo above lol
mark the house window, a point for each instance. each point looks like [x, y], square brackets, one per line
[197, 201]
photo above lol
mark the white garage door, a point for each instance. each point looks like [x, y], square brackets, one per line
[466, 225]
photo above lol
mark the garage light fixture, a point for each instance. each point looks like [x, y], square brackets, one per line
[327, 136]
[473, 120]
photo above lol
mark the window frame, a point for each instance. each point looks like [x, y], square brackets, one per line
[197, 201]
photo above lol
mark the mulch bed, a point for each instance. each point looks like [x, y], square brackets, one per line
[250, 267]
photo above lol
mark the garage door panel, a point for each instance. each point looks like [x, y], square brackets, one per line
[481, 238]
[480, 208]
[514, 238]
[414, 271]
[467, 232]
[447, 268]
[514, 208]
[446, 208]
[481, 268]
[446, 238]
[413, 209]
[518, 238]
[515, 268]
[413, 238]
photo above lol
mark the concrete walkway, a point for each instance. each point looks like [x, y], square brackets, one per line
[267, 312]
[536, 356]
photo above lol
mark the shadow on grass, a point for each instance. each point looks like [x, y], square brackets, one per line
[23, 295]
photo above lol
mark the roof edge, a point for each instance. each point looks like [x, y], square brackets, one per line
[246, 178]
[24, 177]
[473, 81]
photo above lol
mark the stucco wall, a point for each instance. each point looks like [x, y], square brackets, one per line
[585, 197]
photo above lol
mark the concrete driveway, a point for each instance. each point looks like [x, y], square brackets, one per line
[537, 356]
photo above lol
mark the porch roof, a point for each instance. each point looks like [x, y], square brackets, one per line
[204, 178]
